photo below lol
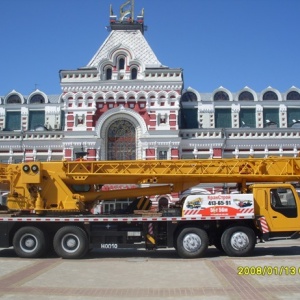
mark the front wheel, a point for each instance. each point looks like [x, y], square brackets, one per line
[71, 242]
[238, 241]
[192, 243]
[30, 242]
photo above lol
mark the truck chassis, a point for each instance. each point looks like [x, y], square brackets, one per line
[72, 237]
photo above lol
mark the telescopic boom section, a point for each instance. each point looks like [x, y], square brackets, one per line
[74, 185]
[186, 173]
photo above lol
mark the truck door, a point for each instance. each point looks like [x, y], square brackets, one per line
[283, 214]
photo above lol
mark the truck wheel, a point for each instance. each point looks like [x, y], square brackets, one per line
[192, 243]
[71, 242]
[30, 242]
[238, 241]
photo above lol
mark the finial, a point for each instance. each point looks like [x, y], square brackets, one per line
[125, 12]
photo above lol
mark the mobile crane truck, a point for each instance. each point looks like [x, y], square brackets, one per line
[49, 206]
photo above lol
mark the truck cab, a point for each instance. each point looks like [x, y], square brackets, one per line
[279, 204]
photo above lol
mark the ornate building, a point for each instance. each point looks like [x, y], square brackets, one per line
[125, 104]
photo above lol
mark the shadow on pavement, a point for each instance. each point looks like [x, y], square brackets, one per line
[212, 252]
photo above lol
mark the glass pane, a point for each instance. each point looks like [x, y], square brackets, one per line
[13, 99]
[121, 64]
[162, 154]
[293, 96]
[223, 118]
[37, 99]
[247, 117]
[293, 115]
[189, 118]
[270, 96]
[36, 118]
[221, 96]
[271, 116]
[108, 74]
[134, 73]
[246, 96]
[189, 97]
[121, 141]
[13, 120]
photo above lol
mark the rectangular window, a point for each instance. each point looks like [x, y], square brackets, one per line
[36, 118]
[223, 118]
[13, 120]
[189, 118]
[293, 114]
[162, 154]
[271, 114]
[247, 117]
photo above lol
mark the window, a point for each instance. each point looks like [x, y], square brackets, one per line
[221, 96]
[293, 116]
[14, 99]
[121, 144]
[37, 99]
[189, 118]
[162, 154]
[271, 117]
[247, 117]
[189, 97]
[244, 96]
[36, 119]
[283, 201]
[13, 120]
[270, 95]
[134, 73]
[293, 95]
[223, 118]
[121, 63]
[108, 73]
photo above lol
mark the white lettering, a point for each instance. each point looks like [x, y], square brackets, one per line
[109, 246]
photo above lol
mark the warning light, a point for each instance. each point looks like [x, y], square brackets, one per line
[34, 168]
[26, 168]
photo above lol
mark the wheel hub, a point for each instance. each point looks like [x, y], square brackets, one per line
[239, 241]
[28, 243]
[191, 242]
[70, 243]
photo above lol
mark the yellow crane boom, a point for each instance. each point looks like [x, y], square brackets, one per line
[71, 185]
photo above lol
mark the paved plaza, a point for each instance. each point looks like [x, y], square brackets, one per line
[272, 273]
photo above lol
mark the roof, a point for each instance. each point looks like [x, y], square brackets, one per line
[130, 39]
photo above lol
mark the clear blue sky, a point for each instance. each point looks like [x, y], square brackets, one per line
[233, 43]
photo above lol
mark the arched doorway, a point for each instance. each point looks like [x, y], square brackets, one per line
[121, 141]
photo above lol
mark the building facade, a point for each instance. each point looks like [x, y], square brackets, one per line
[125, 104]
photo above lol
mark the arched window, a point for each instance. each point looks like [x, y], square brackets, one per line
[121, 143]
[38, 98]
[244, 96]
[134, 73]
[293, 95]
[108, 73]
[189, 97]
[270, 95]
[14, 99]
[121, 63]
[221, 96]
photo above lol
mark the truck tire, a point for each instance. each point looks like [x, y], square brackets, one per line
[71, 242]
[238, 241]
[192, 243]
[30, 242]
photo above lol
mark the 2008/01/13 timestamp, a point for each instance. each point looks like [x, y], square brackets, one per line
[268, 270]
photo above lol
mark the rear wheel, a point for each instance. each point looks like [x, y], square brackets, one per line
[192, 243]
[30, 242]
[71, 242]
[238, 241]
